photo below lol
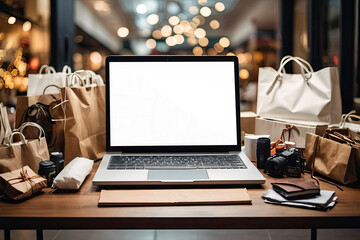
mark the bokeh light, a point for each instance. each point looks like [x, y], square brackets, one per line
[123, 32]
[152, 19]
[205, 11]
[224, 41]
[219, 6]
[214, 24]
[151, 43]
[197, 50]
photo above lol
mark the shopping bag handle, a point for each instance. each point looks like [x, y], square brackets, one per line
[305, 69]
[91, 79]
[345, 117]
[32, 124]
[47, 68]
[66, 69]
[11, 138]
[74, 80]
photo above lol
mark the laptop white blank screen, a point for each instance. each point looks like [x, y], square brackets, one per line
[172, 104]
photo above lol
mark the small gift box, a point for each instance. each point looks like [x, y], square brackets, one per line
[21, 183]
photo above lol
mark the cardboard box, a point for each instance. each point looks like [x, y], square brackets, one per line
[247, 121]
[274, 128]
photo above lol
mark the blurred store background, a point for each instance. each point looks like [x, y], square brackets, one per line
[81, 33]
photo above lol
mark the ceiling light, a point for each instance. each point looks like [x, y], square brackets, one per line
[95, 57]
[171, 41]
[166, 31]
[200, 33]
[193, 10]
[123, 32]
[152, 19]
[151, 43]
[202, 2]
[197, 50]
[219, 6]
[174, 20]
[214, 24]
[141, 8]
[205, 11]
[11, 20]
[203, 42]
[102, 6]
[224, 41]
[26, 26]
[157, 34]
[179, 29]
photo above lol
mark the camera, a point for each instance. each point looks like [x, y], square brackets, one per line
[288, 162]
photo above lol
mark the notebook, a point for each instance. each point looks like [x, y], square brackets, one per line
[173, 120]
[140, 197]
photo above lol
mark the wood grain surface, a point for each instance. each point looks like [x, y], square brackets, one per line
[79, 210]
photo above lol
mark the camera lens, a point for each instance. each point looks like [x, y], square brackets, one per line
[262, 151]
[276, 166]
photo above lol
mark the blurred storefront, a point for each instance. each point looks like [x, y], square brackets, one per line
[258, 32]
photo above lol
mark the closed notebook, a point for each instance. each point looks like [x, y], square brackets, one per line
[173, 197]
[296, 188]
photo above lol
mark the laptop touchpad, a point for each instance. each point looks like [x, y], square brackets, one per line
[177, 174]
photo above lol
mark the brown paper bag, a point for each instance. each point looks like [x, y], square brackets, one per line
[5, 128]
[332, 159]
[55, 140]
[21, 183]
[16, 155]
[85, 133]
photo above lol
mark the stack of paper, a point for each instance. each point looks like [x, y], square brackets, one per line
[325, 200]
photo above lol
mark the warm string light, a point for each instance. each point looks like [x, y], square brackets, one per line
[13, 76]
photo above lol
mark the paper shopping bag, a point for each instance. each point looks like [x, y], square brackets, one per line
[311, 98]
[16, 155]
[5, 128]
[38, 82]
[85, 133]
[351, 122]
[40, 109]
[331, 159]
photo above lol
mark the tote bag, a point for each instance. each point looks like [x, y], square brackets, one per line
[38, 82]
[31, 152]
[332, 159]
[308, 98]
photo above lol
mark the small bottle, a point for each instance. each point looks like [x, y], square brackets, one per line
[58, 159]
[47, 170]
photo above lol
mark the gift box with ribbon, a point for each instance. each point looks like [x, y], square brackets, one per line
[21, 183]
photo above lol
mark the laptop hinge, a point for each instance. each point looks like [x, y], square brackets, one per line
[234, 152]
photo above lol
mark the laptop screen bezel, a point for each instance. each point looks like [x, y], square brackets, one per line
[183, 148]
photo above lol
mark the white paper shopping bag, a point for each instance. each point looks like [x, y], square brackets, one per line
[306, 98]
[38, 82]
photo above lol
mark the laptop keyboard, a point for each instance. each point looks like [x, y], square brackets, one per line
[176, 162]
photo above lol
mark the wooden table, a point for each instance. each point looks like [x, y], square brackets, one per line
[79, 210]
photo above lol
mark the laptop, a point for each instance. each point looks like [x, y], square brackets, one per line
[173, 120]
